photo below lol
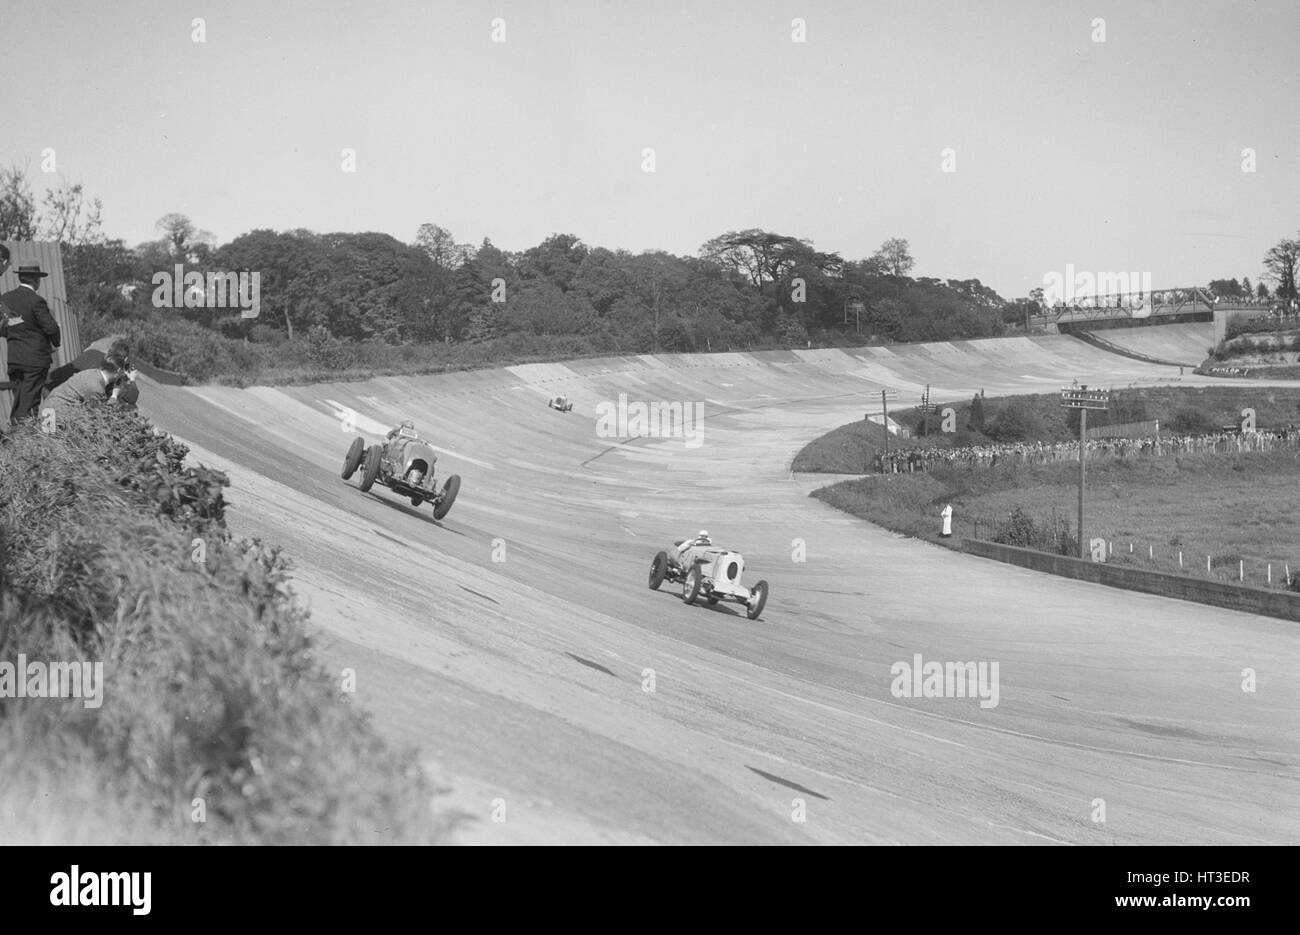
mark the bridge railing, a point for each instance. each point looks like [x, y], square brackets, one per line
[1157, 303]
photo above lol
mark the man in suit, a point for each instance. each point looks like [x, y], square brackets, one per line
[32, 334]
[87, 386]
[112, 346]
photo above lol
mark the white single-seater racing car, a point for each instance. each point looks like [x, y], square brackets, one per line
[709, 572]
[562, 403]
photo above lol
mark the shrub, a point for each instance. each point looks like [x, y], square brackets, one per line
[1016, 421]
[1190, 420]
[211, 689]
[1054, 535]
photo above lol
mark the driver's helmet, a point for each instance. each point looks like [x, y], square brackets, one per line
[702, 538]
[406, 429]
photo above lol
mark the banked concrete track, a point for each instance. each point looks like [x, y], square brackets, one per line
[522, 680]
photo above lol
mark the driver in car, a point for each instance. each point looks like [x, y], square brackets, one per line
[701, 539]
[399, 437]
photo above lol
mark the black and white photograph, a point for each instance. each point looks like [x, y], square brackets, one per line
[564, 422]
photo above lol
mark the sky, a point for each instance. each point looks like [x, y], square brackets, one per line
[1117, 155]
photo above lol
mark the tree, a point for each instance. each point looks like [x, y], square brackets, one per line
[1280, 266]
[186, 243]
[17, 206]
[764, 257]
[894, 257]
[441, 247]
[67, 218]
[556, 259]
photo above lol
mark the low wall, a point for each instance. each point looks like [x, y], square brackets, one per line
[1284, 604]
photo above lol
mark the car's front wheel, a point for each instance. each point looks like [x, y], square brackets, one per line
[448, 497]
[370, 472]
[352, 460]
[757, 598]
[658, 570]
[691, 586]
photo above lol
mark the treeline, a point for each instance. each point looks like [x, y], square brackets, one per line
[746, 289]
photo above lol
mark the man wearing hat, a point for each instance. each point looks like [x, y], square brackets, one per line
[32, 333]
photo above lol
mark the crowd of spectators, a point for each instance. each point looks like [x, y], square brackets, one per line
[1012, 454]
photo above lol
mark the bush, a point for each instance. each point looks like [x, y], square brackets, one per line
[1190, 420]
[1019, 529]
[114, 551]
[1017, 421]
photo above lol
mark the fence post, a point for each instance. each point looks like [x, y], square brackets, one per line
[1241, 569]
[1180, 559]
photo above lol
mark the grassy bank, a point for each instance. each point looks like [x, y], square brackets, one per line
[213, 706]
[1229, 508]
[847, 449]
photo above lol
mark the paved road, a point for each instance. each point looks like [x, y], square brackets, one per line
[513, 642]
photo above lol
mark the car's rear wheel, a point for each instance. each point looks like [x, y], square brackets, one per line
[691, 586]
[352, 460]
[448, 497]
[757, 598]
[370, 472]
[658, 570]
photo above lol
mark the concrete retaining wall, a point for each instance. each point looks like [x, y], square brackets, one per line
[1284, 604]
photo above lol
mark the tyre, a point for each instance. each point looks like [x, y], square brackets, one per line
[374, 454]
[448, 497]
[757, 598]
[711, 600]
[658, 570]
[352, 460]
[416, 501]
[691, 586]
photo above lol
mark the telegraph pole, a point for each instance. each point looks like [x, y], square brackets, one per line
[885, 396]
[1083, 399]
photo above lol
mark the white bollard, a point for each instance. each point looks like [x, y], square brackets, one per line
[1180, 559]
[1241, 570]
[1270, 572]
[1151, 551]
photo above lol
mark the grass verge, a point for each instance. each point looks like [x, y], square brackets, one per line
[216, 724]
[1229, 509]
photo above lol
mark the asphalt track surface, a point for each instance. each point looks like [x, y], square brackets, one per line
[522, 681]
[1187, 343]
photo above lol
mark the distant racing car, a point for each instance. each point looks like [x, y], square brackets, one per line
[405, 465]
[709, 572]
[562, 403]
